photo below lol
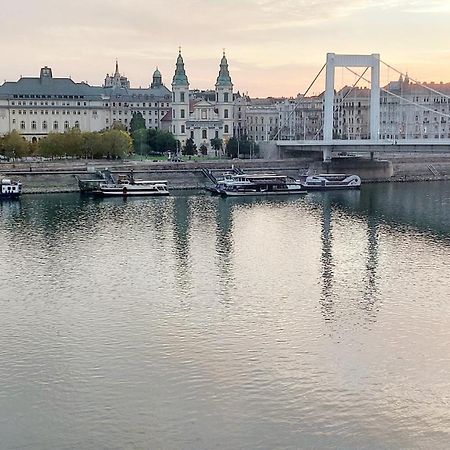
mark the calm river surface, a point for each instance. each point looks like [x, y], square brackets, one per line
[195, 322]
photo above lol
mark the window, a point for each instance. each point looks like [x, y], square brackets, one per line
[33, 125]
[182, 113]
[77, 124]
[66, 125]
[44, 125]
[225, 97]
[204, 134]
[183, 129]
[225, 129]
[22, 125]
[192, 134]
[182, 97]
[225, 114]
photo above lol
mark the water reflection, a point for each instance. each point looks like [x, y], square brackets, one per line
[185, 320]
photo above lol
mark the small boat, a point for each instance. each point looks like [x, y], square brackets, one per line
[10, 189]
[259, 185]
[126, 186]
[330, 181]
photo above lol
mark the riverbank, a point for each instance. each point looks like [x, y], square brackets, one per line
[60, 175]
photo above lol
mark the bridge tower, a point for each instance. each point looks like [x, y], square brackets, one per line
[333, 61]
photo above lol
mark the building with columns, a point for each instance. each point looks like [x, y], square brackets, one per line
[202, 117]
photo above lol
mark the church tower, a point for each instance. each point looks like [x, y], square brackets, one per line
[224, 99]
[180, 101]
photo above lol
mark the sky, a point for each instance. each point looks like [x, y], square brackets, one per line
[274, 47]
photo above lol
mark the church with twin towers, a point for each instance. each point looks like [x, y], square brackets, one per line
[202, 117]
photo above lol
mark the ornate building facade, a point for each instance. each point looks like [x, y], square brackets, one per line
[36, 106]
[202, 117]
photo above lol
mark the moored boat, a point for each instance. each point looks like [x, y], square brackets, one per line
[10, 188]
[330, 181]
[259, 185]
[127, 186]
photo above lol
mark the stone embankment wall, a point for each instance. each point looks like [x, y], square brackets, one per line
[60, 176]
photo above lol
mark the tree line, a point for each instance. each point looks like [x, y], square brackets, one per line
[117, 143]
[72, 143]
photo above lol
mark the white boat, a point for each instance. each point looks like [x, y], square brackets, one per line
[259, 185]
[330, 181]
[10, 189]
[128, 186]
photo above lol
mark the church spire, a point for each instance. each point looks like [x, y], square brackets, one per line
[180, 77]
[117, 67]
[224, 78]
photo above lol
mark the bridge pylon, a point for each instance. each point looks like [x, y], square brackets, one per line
[334, 60]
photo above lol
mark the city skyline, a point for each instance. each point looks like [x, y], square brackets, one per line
[273, 49]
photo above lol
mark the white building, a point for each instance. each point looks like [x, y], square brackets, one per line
[36, 106]
[202, 119]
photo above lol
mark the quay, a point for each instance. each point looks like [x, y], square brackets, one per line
[61, 175]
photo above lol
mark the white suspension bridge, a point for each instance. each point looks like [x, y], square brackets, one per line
[414, 121]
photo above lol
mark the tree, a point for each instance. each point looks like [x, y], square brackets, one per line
[140, 144]
[203, 149]
[52, 145]
[118, 126]
[190, 148]
[232, 148]
[73, 142]
[137, 122]
[161, 141]
[13, 145]
[216, 144]
[116, 143]
[92, 145]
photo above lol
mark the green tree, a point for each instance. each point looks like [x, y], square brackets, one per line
[137, 122]
[160, 141]
[52, 145]
[13, 145]
[92, 145]
[73, 143]
[118, 126]
[232, 148]
[140, 144]
[116, 143]
[216, 144]
[189, 148]
[203, 149]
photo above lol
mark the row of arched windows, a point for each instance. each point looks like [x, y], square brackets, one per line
[45, 125]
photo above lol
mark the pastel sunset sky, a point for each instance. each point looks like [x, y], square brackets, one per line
[274, 47]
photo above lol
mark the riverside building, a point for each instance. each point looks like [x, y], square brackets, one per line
[202, 117]
[36, 106]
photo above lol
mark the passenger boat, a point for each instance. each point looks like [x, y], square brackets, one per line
[259, 185]
[10, 189]
[328, 181]
[127, 186]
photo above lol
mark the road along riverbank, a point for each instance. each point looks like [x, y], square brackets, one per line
[60, 175]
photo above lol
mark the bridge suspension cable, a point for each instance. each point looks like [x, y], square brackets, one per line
[417, 82]
[302, 97]
[406, 100]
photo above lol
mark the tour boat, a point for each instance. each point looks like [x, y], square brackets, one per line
[328, 181]
[10, 189]
[259, 185]
[128, 186]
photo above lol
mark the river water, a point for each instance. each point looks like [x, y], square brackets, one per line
[196, 322]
